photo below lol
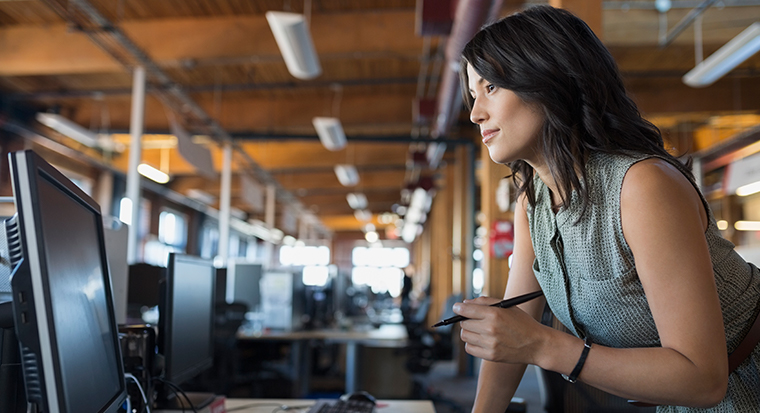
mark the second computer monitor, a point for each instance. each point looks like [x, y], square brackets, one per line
[243, 284]
[186, 317]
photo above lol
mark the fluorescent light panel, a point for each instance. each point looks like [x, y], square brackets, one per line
[330, 133]
[748, 189]
[347, 175]
[295, 43]
[732, 54]
[747, 225]
[363, 215]
[68, 128]
[356, 200]
[152, 173]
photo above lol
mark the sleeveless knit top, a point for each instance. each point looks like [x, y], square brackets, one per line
[587, 272]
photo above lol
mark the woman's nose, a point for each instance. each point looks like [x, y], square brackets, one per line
[477, 114]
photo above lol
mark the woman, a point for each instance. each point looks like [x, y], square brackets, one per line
[609, 226]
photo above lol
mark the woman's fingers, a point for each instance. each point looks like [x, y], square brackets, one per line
[482, 300]
[473, 308]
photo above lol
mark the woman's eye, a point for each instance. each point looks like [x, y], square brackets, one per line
[490, 87]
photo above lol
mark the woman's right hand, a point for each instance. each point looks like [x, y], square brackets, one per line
[507, 335]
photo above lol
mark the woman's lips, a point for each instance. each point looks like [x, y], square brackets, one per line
[488, 134]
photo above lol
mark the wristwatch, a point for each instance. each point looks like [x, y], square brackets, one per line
[573, 377]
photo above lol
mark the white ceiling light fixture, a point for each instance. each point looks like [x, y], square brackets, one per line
[356, 200]
[372, 236]
[747, 225]
[330, 133]
[347, 175]
[68, 128]
[294, 40]
[80, 134]
[416, 214]
[748, 189]
[152, 173]
[363, 215]
[732, 54]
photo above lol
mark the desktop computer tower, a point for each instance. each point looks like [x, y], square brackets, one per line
[138, 351]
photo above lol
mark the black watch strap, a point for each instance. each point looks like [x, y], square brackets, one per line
[573, 377]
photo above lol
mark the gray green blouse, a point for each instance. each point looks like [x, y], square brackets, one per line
[588, 274]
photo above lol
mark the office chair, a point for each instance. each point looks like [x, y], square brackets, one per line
[427, 346]
[560, 396]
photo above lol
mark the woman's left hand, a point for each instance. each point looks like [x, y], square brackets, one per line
[507, 335]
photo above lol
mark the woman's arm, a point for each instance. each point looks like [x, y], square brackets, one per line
[664, 223]
[497, 382]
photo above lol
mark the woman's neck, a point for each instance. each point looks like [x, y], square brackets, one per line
[544, 174]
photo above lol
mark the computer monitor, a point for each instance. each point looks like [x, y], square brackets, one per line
[143, 292]
[116, 236]
[221, 286]
[62, 303]
[243, 279]
[186, 326]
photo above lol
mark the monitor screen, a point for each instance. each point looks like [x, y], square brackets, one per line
[243, 280]
[62, 293]
[186, 317]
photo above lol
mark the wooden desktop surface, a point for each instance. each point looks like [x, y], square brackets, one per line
[388, 335]
[268, 405]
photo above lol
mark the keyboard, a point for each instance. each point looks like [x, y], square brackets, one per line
[340, 406]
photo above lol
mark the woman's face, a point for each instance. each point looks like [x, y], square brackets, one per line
[510, 128]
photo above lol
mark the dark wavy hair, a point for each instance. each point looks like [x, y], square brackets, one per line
[551, 58]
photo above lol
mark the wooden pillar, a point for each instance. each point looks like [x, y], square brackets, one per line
[589, 11]
[462, 235]
[440, 225]
[495, 270]
[462, 240]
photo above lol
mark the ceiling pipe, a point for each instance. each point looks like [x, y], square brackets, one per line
[469, 17]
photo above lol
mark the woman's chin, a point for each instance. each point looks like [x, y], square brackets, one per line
[498, 158]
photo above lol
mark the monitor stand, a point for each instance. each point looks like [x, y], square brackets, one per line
[12, 393]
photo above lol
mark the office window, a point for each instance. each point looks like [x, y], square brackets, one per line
[172, 228]
[209, 240]
[380, 257]
[304, 255]
[233, 248]
[380, 269]
[316, 275]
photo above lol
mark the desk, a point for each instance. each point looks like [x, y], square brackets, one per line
[387, 336]
[384, 406]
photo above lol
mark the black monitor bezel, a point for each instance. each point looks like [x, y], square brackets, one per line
[30, 167]
[166, 318]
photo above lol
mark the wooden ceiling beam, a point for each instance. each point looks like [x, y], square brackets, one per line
[242, 112]
[657, 96]
[295, 182]
[56, 49]
[641, 27]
